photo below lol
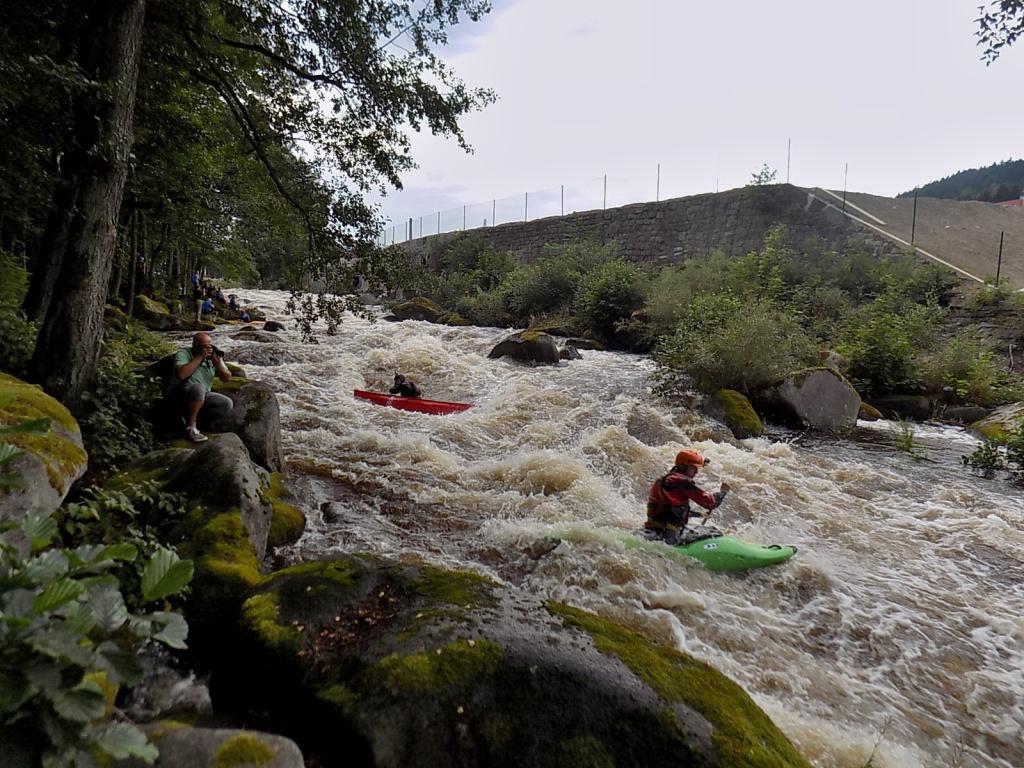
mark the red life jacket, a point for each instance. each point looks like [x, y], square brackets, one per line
[666, 506]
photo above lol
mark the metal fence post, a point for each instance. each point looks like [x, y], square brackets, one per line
[913, 221]
[494, 211]
[999, 264]
[463, 218]
[846, 170]
[563, 199]
[526, 206]
[657, 187]
[604, 200]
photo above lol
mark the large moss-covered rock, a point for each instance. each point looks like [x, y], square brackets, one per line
[288, 522]
[818, 398]
[527, 346]
[418, 308]
[868, 412]
[1001, 422]
[50, 462]
[369, 663]
[152, 313]
[735, 410]
[255, 417]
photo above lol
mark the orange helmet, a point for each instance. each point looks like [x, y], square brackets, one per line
[691, 458]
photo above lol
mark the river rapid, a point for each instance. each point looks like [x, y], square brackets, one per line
[896, 633]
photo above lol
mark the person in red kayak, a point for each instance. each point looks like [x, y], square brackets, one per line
[405, 387]
[668, 505]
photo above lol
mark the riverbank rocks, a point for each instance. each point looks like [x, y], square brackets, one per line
[735, 411]
[527, 346]
[153, 314]
[182, 746]
[418, 308]
[364, 662]
[569, 352]
[914, 407]
[818, 398]
[260, 336]
[52, 458]
[965, 414]
[255, 417]
[1001, 422]
[273, 326]
[868, 413]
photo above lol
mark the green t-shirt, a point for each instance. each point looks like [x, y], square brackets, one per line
[203, 374]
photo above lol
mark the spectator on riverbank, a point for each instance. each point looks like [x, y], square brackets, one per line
[192, 384]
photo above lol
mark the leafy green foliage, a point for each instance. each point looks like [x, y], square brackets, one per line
[17, 335]
[992, 184]
[549, 284]
[608, 296]
[9, 478]
[115, 419]
[725, 342]
[144, 517]
[965, 365]
[763, 175]
[63, 622]
[986, 459]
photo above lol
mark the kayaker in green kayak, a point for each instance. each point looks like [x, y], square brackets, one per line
[668, 505]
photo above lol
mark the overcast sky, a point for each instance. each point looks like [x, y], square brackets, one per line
[711, 91]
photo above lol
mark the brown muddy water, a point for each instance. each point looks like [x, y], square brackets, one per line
[897, 631]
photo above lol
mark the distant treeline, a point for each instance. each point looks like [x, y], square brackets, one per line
[994, 184]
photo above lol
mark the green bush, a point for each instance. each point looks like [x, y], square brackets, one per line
[725, 342]
[881, 340]
[17, 335]
[966, 365]
[991, 295]
[115, 415]
[674, 287]
[549, 284]
[608, 296]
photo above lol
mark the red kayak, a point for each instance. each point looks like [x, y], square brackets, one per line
[420, 404]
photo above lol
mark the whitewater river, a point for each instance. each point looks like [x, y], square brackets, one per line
[898, 629]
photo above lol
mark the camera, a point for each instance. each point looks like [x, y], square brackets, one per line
[218, 352]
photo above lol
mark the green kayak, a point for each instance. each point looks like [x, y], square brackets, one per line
[715, 550]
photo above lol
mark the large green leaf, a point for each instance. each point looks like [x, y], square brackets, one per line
[121, 741]
[18, 603]
[14, 690]
[172, 629]
[62, 644]
[107, 607]
[57, 593]
[39, 530]
[122, 551]
[81, 704]
[46, 567]
[164, 575]
[8, 452]
[122, 667]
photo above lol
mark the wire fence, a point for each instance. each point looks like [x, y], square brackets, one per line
[599, 192]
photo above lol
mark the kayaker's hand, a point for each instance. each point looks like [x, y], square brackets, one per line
[726, 487]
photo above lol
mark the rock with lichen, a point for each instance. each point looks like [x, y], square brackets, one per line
[182, 746]
[1001, 422]
[816, 398]
[527, 346]
[372, 663]
[418, 308]
[255, 417]
[51, 456]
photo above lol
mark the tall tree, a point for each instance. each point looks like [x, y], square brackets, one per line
[88, 197]
[999, 26]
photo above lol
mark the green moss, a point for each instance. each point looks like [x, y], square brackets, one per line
[344, 573]
[21, 401]
[156, 466]
[243, 749]
[236, 370]
[584, 752]
[61, 457]
[226, 568]
[744, 736]
[261, 614]
[530, 335]
[150, 306]
[496, 731]
[869, 412]
[739, 414]
[456, 665]
[287, 522]
[991, 430]
[456, 587]
[340, 697]
[236, 383]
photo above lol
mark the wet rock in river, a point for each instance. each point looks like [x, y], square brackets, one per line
[818, 398]
[527, 346]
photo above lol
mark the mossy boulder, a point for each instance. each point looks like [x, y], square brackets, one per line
[184, 747]
[255, 417]
[527, 346]
[868, 412]
[371, 663]
[904, 406]
[569, 352]
[453, 318]
[735, 410]
[965, 414]
[154, 314]
[815, 398]
[418, 308]
[50, 461]
[1001, 422]
[582, 343]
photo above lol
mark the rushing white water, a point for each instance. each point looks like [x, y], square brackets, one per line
[897, 631]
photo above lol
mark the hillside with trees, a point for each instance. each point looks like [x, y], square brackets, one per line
[992, 184]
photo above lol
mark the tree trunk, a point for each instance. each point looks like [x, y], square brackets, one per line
[68, 344]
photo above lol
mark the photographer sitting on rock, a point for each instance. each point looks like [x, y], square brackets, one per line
[192, 382]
